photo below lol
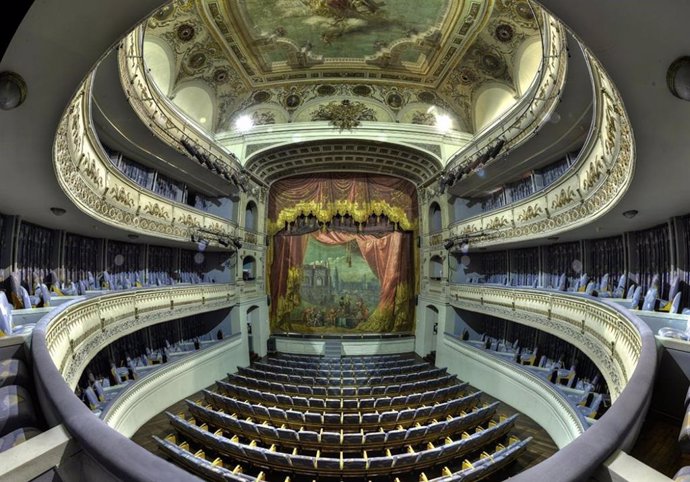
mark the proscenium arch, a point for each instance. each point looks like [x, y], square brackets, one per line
[344, 155]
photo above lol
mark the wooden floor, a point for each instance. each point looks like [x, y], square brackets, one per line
[657, 445]
[540, 448]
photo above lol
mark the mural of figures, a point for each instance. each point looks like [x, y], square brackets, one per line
[346, 28]
[342, 257]
[341, 282]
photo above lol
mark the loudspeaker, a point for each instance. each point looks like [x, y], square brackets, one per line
[416, 300]
[268, 301]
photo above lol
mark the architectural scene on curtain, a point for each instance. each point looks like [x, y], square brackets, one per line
[333, 233]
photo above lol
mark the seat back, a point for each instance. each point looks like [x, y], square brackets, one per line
[604, 283]
[5, 315]
[636, 298]
[675, 303]
[650, 299]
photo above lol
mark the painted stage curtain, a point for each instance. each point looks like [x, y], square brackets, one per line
[388, 256]
[326, 196]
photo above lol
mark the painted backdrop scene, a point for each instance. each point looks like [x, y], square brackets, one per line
[342, 258]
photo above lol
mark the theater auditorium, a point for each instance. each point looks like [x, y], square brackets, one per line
[344, 240]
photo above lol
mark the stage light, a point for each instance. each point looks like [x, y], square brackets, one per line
[449, 243]
[237, 242]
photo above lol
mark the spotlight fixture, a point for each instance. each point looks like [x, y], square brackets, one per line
[223, 241]
[195, 238]
[678, 78]
[448, 243]
[12, 90]
[237, 242]
[57, 211]
[631, 213]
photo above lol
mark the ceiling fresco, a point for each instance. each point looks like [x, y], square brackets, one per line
[338, 31]
[280, 61]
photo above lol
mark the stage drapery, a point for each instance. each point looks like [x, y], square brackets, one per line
[329, 195]
[389, 258]
[337, 208]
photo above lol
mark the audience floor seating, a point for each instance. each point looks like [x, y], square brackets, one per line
[294, 417]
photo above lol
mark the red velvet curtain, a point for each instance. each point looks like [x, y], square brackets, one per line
[388, 256]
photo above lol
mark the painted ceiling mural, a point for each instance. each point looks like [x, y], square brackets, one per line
[281, 61]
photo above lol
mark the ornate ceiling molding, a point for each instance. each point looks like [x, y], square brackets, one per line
[349, 155]
[256, 63]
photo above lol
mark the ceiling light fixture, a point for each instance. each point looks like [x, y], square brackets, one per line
[244, 123]
[444, 123]
[631, 213]
[678, 78]
[12, 90]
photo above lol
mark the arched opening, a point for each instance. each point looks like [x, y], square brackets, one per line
[197, 103]
[252, 328]
[527, 62]
[436, 268]
[491, 103]
[435, 222]
[248, 268]
[250, 214]
[159, 61]
[431, 327]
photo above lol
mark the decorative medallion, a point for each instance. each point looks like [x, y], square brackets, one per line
[363, 90]
[220, 76]
[504, 32]
[467, 77]
[261, 96]
[524, 10]
[325, 90]
[163, 13]
[185, 32]
[426, 96]
[344, 115]
[197, 60]
[292, 101]
[394, 100]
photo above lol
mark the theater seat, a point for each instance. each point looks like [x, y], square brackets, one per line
[16, 409]
[17, 436]
[14, 372]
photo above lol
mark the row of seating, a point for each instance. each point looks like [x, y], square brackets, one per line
[342, 404]
[390, 357]
[197, 463]
[338, 363]
[486, 465]
[340, 372]
[363, 381]
[336, 441]
[215, 470]
[19, 418]
[344, 391]
[271, 458]
[351, 421]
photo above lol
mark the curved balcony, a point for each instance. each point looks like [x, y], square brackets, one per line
[66, 339]
[621, 346]
[99, 189]
[535, 106]
[598, 179]
[155, 111]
